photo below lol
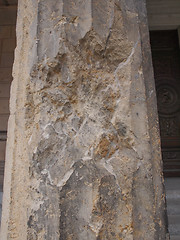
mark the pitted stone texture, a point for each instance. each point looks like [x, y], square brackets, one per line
[87, 142]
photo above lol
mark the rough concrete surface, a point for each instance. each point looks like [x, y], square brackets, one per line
[83, 156]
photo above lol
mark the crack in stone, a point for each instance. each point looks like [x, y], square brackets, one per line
[122, 64]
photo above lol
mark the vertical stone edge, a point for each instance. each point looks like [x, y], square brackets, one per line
[15, 204]
[157, 168]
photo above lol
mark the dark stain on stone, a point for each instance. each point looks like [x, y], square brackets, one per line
[109, 194]
[106, 208]
[121, 129]
[67, 109]
[75, 197]
[103, 147]
[30, 221]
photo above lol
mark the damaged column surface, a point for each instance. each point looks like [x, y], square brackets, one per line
[83, 157]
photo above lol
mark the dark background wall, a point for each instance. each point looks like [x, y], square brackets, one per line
[7, 46]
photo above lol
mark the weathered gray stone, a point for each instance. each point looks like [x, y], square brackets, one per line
[85, 161]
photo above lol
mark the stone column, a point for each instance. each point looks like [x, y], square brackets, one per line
[83, 157]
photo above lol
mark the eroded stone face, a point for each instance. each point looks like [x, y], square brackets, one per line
[86, 126]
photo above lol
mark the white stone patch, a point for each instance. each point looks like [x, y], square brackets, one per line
[46, 172]
[67, 175]
[96, 227]
[45, 134]
[30, 140]
[87, 158]
[37, 205]
[151, 92]
[108, 166]
[35, 150]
